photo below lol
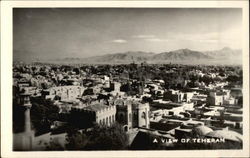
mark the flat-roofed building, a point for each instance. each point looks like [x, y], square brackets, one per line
[171, 108]
[64, 92]
[173, 95]
[215, 99]
[97, 113]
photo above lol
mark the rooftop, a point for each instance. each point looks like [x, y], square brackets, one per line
[96, 107]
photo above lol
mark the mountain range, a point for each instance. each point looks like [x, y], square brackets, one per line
[181, 56]
[184, 56]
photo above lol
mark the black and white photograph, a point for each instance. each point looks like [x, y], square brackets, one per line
[128, 79]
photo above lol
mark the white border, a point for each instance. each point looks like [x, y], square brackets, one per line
[6, 77]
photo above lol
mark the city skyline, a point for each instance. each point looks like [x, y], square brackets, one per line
[84, 32]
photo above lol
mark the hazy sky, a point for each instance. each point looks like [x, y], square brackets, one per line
[59, 33]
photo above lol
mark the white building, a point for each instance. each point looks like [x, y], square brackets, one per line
[64, 92]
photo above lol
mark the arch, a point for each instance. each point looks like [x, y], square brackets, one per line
[135, 116]
[113, 118]
[125, 128]
[107, 121]
[143, 115]
[121, 117]
[110, 121]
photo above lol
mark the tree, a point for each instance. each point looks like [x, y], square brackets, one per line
[108, 138]
[54, 146]
[233, 78]
[76, 140]
[43, 113]
[206, 79]
[76, 70]
[99, 138]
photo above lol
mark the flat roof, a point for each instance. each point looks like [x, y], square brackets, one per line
[96, 107]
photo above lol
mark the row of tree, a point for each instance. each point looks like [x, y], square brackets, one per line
[98, 138]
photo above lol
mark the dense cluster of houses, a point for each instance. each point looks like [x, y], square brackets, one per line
[211, 111]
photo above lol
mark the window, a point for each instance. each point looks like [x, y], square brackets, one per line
[126, 128]
[143, 115]
[135, 116]
[121, 117]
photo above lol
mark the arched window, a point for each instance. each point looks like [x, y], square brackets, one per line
[113, 118]
[125, 128]
[135, 116]
[110, 121]
[121, 117]
[143, 115]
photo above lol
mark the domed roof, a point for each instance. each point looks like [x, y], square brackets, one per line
[202, 130]
[227, 134]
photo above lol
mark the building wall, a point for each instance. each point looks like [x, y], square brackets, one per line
[188, 96]
[214, 99]
[65, 92]
[229, 101]
[124, 115]
[106, 116]
[102, 117]
[177, 110]
[218, 100]
[174, 96]
[133, 115]
[142, 113]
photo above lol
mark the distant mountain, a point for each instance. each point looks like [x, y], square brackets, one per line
[70, 59]
[181, 54]
[126, 57]
[178, 56]
[225, 53]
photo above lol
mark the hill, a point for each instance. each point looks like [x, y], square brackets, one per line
[181, 54]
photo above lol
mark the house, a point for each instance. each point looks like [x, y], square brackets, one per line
[173, 95]
[215, 98]
[64, 92]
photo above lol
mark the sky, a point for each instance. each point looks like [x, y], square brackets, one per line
[56, 33]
